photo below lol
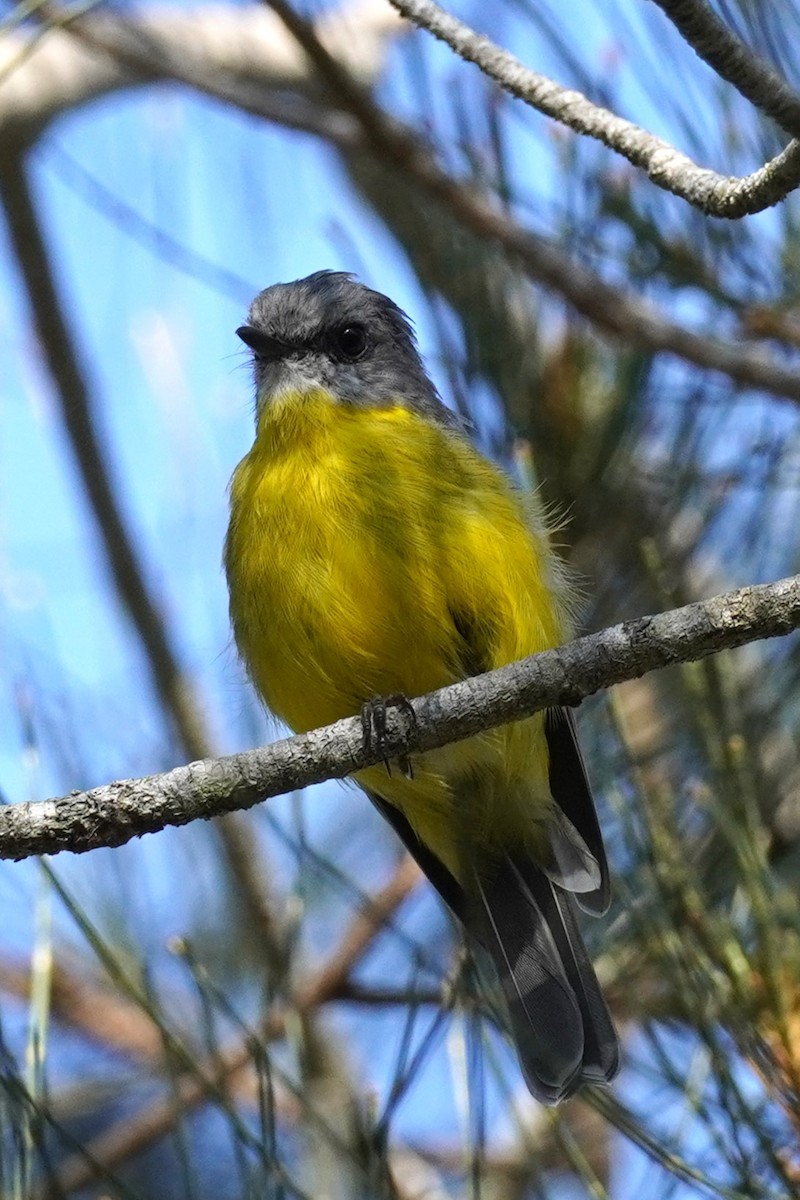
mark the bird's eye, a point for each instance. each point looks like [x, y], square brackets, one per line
[351, 341]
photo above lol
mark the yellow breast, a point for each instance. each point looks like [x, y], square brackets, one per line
[359, 540]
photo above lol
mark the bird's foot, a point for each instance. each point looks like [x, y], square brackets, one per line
[373, 725]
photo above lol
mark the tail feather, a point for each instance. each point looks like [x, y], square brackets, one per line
[559, 1019]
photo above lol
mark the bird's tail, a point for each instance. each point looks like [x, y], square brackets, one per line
[559, 1019]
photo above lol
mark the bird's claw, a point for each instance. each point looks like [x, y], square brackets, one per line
[373, 726]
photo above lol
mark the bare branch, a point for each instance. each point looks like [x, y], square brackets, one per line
[387, 997]
[114, 813]
[610, 308]
[614, 309]
[714, 194]
[359, 128]
[712, 41]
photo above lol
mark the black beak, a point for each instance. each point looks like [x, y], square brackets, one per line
[262, 344]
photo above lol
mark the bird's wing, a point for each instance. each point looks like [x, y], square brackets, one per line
[570, 788]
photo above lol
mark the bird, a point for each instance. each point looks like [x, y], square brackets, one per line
[373, 554]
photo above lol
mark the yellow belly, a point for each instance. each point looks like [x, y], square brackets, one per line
[359, 539]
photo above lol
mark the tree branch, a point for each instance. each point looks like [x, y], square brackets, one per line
[114, 813]
[610, 308]
[757, 81]
[359, 128]
[714, 194]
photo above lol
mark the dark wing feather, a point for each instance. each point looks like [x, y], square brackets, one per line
[569, 783]
[473, 652]
[446, 885]
[570, 788]
[559, 1020]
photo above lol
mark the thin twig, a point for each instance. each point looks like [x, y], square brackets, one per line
[387, 997]
[130, 1137]
[114, 813]
[714, 194]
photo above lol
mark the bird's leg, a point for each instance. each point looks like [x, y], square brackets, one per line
[373, 725]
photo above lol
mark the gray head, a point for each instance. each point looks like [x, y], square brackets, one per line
[330, 332]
